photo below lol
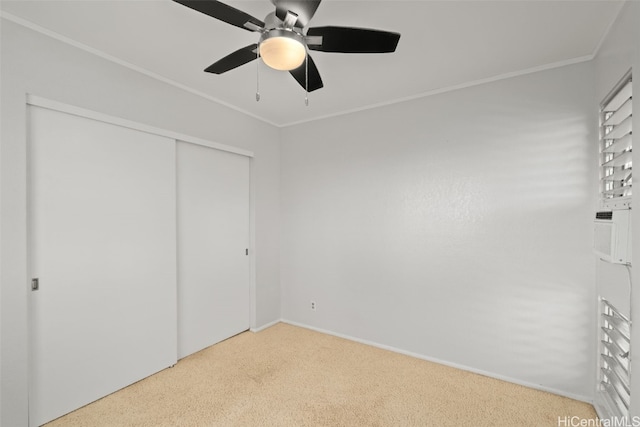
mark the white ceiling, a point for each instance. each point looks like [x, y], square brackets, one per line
[444, 44]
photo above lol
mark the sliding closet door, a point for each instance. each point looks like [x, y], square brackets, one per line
[213, 237]
[103, 248]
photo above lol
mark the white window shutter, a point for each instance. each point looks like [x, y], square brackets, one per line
[616, 132]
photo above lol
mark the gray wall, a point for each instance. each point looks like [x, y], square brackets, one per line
[455, 227]
[36, 64]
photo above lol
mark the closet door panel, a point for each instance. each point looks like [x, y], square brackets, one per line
[103, 247]
[213, 237]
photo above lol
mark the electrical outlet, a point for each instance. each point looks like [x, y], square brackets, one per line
[313, 305]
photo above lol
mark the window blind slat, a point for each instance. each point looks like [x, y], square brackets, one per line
[622, 144]
[617, 385]
[620, 160]
[621, 113]
[620, 130]
[615, 350]
[620, 191]
[614, 396]
[620, 98]
[619, 322]
[619, 175]
[618, 370]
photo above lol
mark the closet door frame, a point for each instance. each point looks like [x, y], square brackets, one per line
[33, 100]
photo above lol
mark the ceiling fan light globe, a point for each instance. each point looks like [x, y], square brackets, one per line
[283, 52]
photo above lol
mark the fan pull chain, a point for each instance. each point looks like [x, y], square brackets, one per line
[258, 75]
[306, 80]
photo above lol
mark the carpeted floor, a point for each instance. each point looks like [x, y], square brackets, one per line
[290, 376]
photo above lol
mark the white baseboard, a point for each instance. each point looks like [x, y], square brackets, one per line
[586, 399]
[265, 326]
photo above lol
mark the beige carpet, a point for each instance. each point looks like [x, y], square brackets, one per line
[290, 376]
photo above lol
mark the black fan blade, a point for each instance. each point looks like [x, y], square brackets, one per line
[354, 40]
[305, 9]
[234, 60]
[224, 13]
[300, 74]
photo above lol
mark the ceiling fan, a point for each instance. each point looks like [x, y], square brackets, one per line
[285, 38]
